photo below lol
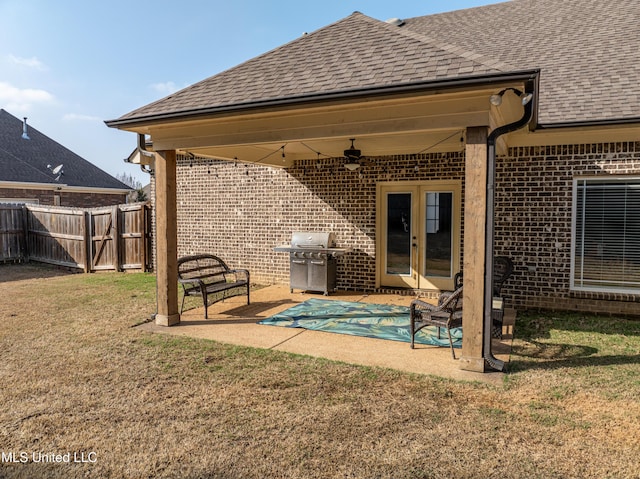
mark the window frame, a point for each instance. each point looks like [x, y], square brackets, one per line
[577, 183]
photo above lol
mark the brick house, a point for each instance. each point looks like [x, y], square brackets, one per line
[510, 129]
[36, 169]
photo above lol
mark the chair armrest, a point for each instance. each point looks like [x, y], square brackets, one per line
[419, 305]
[451, 301]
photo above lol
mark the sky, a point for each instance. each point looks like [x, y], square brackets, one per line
[69, 65]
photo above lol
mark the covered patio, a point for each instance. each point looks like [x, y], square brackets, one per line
[235, 322]
[431, 131]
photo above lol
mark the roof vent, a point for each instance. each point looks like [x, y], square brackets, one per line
[25, 136]
[398, 22]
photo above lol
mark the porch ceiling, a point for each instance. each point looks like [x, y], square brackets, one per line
[403, 124]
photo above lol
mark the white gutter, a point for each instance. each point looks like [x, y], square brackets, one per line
[61, 187]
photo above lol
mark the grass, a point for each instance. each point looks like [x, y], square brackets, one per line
[78, 378]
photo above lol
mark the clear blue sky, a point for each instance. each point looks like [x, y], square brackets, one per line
[68, 65]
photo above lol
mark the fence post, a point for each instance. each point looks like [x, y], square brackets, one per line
[115, 237]
[24, 246]
[88, 242]
[142, 224]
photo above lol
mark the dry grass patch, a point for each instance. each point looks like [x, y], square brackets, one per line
[76, 377]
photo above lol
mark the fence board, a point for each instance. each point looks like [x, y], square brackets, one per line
[12, 233]
[55, 235]
[113, 238]
[102, 239]
[133, 230]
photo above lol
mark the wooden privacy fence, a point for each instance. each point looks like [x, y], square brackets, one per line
[109, 238]
[13, 229]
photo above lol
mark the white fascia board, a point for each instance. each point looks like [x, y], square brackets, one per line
[62, 186]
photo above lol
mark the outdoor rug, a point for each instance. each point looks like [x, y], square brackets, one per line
[380, 321]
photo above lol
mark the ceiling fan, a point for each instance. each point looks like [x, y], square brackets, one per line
[353, 156]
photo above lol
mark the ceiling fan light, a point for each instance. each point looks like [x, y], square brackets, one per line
[352, 166]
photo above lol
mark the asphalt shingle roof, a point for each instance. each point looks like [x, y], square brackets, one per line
[26, 160]
[586, 50]
[354, 53]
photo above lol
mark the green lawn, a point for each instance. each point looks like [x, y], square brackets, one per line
[78, 378]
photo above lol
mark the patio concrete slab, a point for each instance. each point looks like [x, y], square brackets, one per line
[235, 322]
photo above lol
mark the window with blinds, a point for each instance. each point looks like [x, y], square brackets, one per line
[606, 235]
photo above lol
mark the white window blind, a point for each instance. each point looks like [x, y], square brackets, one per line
[606, 239]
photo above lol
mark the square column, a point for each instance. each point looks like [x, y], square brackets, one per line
[166, 238]
[475, 213]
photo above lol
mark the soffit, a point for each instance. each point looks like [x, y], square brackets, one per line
[405, 124]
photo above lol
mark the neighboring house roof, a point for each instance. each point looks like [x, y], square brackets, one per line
[25, 161]
[586, 51]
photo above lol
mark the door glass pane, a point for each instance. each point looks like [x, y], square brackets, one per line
[398, 233]
[438, 232]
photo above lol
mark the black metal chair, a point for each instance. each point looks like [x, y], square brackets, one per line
[502, 271]
[447, 314]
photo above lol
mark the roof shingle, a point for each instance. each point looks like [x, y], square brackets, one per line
[354, 53]
[586, 50]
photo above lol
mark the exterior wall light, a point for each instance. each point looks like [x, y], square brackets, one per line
[496, 99]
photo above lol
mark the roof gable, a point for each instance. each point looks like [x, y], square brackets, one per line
[26, 161]
[586, 51]
[354, 53]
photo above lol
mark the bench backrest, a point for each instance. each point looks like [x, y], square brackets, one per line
[207, 267]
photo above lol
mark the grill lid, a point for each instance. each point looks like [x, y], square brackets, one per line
[313, 240]
[306, 244]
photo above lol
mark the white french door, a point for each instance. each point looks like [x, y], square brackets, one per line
[418, 234]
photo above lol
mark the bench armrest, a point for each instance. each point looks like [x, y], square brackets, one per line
[240, 274]
[195, 282]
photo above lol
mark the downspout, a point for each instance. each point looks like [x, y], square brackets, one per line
[489, 358]
[142, 149]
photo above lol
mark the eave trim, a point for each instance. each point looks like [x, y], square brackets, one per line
[520, 76]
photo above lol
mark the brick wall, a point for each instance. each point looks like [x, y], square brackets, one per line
[241, 212]
[533, 221]
[72, 199]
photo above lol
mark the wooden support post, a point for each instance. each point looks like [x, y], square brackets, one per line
[475, 206]
[166, 239]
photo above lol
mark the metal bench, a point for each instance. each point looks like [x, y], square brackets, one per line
[205, 274]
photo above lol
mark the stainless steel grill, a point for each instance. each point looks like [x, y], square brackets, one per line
[312, 261]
